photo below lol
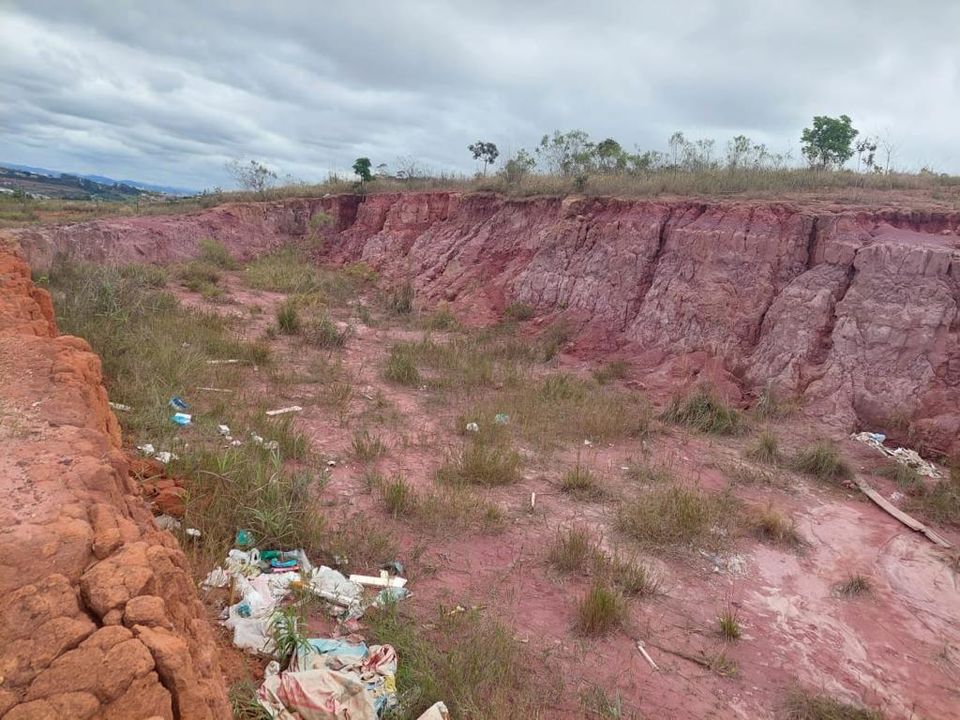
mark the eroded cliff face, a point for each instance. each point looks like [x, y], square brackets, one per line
[100, 615]
[855, 311]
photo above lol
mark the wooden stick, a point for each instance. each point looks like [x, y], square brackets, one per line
[894, 511]
[646, 655]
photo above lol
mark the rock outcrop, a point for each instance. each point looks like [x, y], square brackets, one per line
[100, 615]
[856, 311]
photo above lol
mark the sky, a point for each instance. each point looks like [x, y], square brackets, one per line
[170, 92]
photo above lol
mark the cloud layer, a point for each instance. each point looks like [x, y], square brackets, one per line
[168, 92]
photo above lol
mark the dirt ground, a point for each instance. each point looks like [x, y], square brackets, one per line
[895, 648]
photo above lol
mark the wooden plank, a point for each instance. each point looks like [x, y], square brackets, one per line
[894, 511]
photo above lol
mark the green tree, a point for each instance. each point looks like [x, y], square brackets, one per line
[829, 143]
[518, 167]
[361, 166]
[610, 156]
[570, 153]
[253, 176]
[485, 151]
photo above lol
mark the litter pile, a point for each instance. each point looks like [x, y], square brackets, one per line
[325, 678]
[904, 456]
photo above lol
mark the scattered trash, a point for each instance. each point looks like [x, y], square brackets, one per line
[437, 711]
[284, 411]
[243, 539]
[218, 578]
[166, 522]
[178, 403]
[588, 443]
[390, 596]
[473, 427]
[394, 567]
[236, 443]
[192, 532]
[223, 362]
[383, 580]
[256, 438]
[181, 418]
[501, 418]
[331, 463]
[896, 496]
[164, 456]
[120, 406]
[271, 445]
[213, 389]
[904, 456]
[223, 430]
[146, 449]
[533, 501]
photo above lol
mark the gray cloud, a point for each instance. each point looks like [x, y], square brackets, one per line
[168, 92]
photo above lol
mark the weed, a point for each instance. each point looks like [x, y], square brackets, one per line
[441, 319]
[821, 460]
[596, 703]
[766, 449]
[728, 624]
[705, 412]
[721, 665]
[672, 514]
[454, 508]
[601, 611]
[198, 276]
[481, 463]
[554, 338]
[320, 331]
[941, 503]
[398, 496]
[284, 270]
[853, 586]
[631, 577]
[366, 447]
[518, 311]
[803, 704]
[581, 483]
[215, 253]
[244, 703]
[401, 366]
[399, 299]
[287, 636]
[572, 551]
[769, 405]
[648, 474]
[469, 661]
[362, 540]
[906, 478]
[614, 370]
[771, 527]
[743, 474]
[288, 318]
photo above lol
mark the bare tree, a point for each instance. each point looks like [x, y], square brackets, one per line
[253, 175]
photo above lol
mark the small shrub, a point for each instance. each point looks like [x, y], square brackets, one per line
[321, 332]
[769, 405]
[562, 386]
[600, 611]
[480, 463]
[284, 270]
[441, 319]
[519, 312]
[630, 576]
[215, 253]
[572, 551]
[615, 370]
[853, 586]
[941, 503]
[803, 704]
[398, 497]
[401, 366]
[728, 625]
[199, 276]
[554, 338]
[765, 449]
[399, 299]
[288, 318]
[769, 526]
[821, 460]
[673, 514]
[580, 482]
[366, 447]
[704, 412]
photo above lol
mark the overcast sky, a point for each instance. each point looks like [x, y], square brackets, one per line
[169, 91]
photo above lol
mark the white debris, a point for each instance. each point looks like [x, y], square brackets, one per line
[147, 449]
[284, 411]
[120, 406]
[223, 362]
[217, 578]
[166, 522]
[192, 532]
[473, 427]
[904, 456]
[165, 456]
[271, 445]
[223, 430]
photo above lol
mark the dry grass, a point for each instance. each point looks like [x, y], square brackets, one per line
[705, 412]
[518, 312]
[821, 460]
[853, 586]
[573, 551]
[802, 704]
[401, 366]
[367, 448]
[398, 497]
[769, 526]
[321, 332]
[630, 576]
[581, 483]
[288, 318]
[613, 370]
[728, 624]
[672, 514]
[601, 611]
[481, 463]
[765, 449]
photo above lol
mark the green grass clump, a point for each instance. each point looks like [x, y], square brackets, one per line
[401, 366]
[573, 551]
[441, 319]
[581, 483]
[201, 277]
[399, 299]
[398, 497]
[481, 463]
[803, 704]
[601, 611]
[366, 447]
[674, 515]
[614, 370]
[518, 311]
[214, 252]
[285, 270]
[244, 703]
[821, 460]
[766, 449]
[288, 318]
[470, 661]
[320, 331]
[554, 339]
[629, 576]
[705, 412]
[941, 503]
[728, 624]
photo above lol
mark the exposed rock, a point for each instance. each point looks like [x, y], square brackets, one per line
[80, 553]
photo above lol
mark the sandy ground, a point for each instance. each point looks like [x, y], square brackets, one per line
[897, 649]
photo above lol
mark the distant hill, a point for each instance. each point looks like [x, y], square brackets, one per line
[53, 183]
